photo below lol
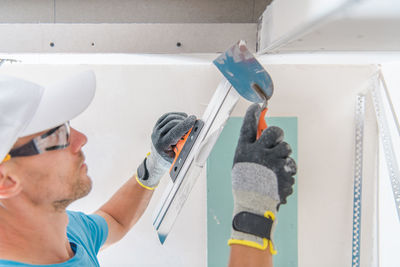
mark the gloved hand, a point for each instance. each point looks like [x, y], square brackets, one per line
[169, 129]
[262, 179]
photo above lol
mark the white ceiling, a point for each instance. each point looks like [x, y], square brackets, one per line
[331, 25]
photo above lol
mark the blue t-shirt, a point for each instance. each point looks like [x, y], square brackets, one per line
[86, 234]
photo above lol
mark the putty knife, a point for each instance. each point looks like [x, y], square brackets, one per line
[247, 76]
[244, 75]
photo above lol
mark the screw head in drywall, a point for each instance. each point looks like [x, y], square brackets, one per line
[52, 44]
[178, 44]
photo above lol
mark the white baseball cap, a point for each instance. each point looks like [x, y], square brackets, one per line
[27, 108]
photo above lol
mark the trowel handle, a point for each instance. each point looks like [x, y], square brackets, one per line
[183, 147]
[178, 147]
[262, 125]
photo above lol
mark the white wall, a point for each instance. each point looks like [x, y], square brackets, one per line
[130, 98]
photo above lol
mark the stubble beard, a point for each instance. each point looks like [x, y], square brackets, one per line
[80, 189]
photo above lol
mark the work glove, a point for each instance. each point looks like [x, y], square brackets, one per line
[262, 179]
[169, 129]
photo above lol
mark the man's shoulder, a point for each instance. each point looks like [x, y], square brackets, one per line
[75, 215]
[87, 230]
[81, 217]
[81, 221]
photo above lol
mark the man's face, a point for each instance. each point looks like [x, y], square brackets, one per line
[56, 178]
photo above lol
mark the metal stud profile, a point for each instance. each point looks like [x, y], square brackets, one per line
[358, 167]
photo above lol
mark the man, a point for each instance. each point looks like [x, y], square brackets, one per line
[43, 170]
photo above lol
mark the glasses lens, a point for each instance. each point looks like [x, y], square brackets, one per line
[56, 138]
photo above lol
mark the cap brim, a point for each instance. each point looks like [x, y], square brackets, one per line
[62, 102]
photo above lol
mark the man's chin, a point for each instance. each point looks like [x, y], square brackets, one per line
[81, 189]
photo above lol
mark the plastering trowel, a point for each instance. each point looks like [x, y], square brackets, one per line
[244, 76]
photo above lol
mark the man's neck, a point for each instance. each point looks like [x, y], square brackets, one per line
[33, 235]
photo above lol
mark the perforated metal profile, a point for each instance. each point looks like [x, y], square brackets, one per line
[358, 173]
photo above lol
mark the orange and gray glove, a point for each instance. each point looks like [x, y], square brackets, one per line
[262, 179]
[168, 130]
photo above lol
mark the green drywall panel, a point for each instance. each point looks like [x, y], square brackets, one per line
[220, 201]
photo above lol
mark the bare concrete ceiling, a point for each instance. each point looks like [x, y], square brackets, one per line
[131, 11]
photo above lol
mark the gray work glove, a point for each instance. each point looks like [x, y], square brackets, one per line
[169, 129]
[262, 176]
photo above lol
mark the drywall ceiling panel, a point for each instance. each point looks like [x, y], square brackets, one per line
[351, 35]
[276, 25]
[124, 38]
[369, 25]
[131, 11]
[26, 11]
[155, 11]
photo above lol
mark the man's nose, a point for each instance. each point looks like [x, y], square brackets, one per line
[78, 140]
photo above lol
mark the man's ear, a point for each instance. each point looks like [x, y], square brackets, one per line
[9, 185]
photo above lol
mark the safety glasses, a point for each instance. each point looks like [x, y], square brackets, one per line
[54, 139]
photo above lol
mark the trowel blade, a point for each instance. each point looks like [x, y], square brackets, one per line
[242, 70]
[178, 190]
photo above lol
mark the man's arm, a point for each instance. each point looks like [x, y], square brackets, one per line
[246, 256]
[128, 204]
[124, 209]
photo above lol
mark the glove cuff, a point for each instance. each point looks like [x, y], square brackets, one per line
[151, 170]
[253, 230]
[254, 195]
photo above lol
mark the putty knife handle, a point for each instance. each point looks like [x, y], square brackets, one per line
[262, 125]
